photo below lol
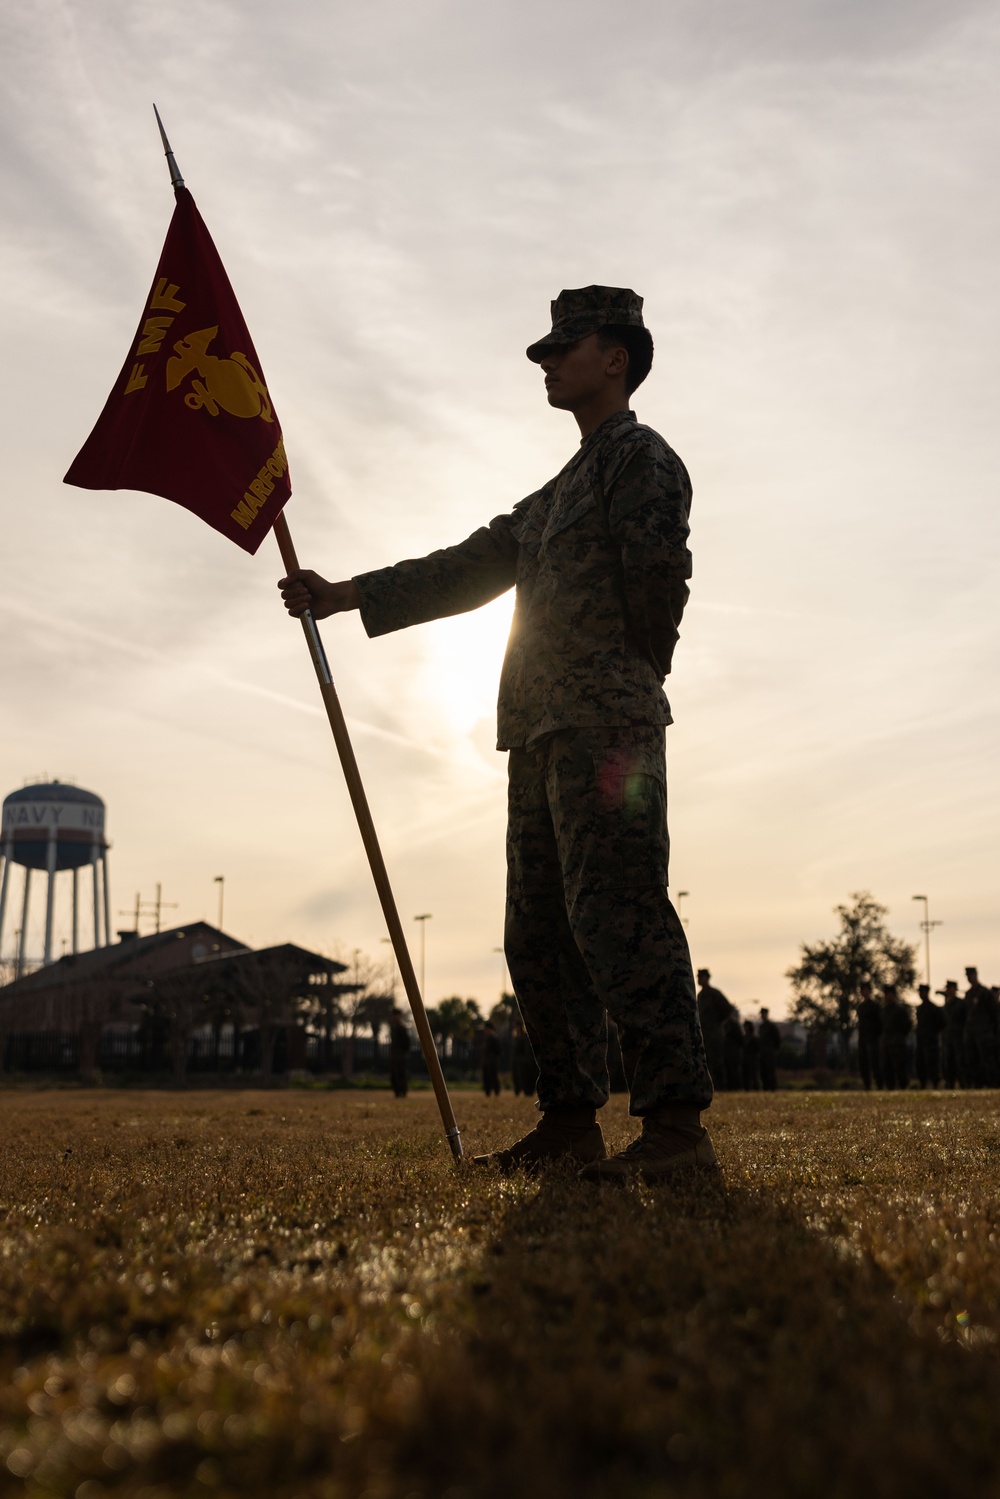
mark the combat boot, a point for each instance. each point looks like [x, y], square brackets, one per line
[672, 1142]
[561, 1134]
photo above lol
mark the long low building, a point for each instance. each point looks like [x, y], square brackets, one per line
[149, 999]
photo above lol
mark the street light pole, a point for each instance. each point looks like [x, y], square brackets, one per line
[681, 897]
[925, 927]
[387, 942]
[220, 880]
[424, 919]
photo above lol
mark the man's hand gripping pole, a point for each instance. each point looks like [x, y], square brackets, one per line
[369, 838]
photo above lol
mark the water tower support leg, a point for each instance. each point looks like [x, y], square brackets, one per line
[50, 894]
[94, 856]
[23, 942]
[107, 901]
[76, 911]
[4, 886]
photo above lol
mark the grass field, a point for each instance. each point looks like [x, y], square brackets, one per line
[296, 1294]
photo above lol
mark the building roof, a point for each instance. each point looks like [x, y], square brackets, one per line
[130, 953]
[104, 982]
[288, 951]
[102, 962]
[274, 971]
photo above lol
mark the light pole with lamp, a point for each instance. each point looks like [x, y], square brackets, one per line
[682, 896]
[925, 927]
[424, 919]
[387, 942]
[220, 880]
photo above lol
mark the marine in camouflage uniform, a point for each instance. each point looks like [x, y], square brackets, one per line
[897, 1023]
[869, 1036]
[399, 1054]
[599, 560]
[770, 1045]
[930, 1023]
[751, 1058]
[491, 1060]
[982, 1031]
[714, 1009]
[953, 1037]
[733, 1046]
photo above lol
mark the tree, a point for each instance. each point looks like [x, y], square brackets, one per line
[324, 1014]
[354, 1005]
[827, 979]
[455, 1018]
[270, 983]
[505, 1012]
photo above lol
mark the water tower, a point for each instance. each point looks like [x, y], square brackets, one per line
[52, 826]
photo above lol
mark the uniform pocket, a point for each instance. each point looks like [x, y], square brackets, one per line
[573, 510]
[529, 521]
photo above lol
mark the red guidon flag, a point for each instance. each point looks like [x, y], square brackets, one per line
[189, 417]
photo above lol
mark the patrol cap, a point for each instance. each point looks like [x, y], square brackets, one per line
[577, 313]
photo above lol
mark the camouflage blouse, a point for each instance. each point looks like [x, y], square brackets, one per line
[600, 560]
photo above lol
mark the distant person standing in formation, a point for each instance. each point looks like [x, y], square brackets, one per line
[982, 1023]
[869, 1015]
[770, 1044]
[599, 558]
[714, 1010]
[930, 1023]
[953, 1038]
[897, 1023]
[399, 1053]
[491, 1060]
[751, 1058]
[732, 1042]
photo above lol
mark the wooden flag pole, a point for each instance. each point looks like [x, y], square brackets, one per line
[369, 838]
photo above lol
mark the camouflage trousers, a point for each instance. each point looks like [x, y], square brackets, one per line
[590, 929]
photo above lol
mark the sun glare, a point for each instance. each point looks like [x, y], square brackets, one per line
[463, 656]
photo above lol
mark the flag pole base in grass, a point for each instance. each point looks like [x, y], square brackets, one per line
[369, 838]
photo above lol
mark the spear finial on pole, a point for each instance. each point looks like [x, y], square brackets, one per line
[175, 172]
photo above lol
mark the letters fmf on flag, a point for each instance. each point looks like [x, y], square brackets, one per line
[189, 417]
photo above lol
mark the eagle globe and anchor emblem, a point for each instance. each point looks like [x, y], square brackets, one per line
[225, 384]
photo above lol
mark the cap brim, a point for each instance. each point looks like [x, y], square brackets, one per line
[536, 352]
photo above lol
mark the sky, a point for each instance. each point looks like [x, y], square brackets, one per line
[802, 191]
